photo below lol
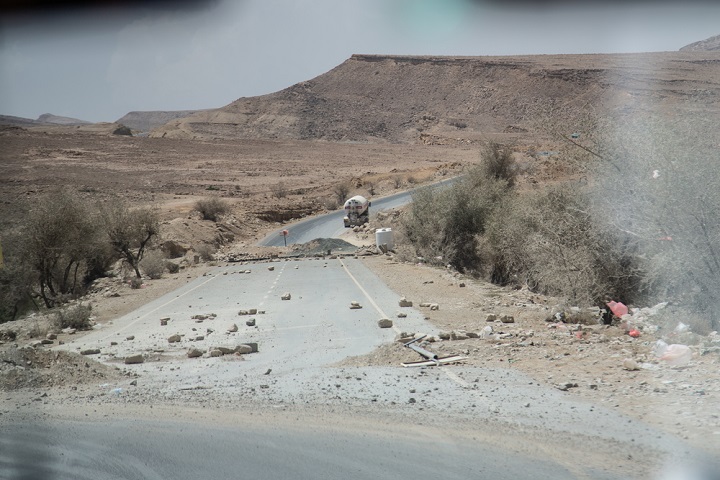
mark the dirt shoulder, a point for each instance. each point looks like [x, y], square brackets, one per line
[599, 363]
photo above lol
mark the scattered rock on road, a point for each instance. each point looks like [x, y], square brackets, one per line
[174, 338]
[233, 328]
[286, 296]
[405, 302]
[385, 323]
[134, 359]
[90, 351]
[195, 352]
[355, 305]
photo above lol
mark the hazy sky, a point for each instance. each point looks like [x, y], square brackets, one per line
[97, 63]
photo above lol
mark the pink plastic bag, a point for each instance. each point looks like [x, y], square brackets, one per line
[618, 309]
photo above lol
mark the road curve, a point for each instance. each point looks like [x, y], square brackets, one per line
[330, 225]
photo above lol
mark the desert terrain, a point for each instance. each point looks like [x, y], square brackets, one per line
[381, 124]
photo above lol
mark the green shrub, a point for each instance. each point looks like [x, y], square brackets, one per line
[212, 208]
[444, 224]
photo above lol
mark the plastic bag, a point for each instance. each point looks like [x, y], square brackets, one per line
[618, 309]
[677, 355]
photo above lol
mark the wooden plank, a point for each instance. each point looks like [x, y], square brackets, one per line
[432, 363]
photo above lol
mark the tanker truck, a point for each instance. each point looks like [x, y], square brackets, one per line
[357, 211]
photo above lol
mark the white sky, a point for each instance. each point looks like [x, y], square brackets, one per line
[99, 64]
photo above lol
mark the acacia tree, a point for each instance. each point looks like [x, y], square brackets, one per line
[131, 231]
[59, 237]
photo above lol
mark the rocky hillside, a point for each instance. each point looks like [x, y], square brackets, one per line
[146, 121]
[711, 44]
[411, 99]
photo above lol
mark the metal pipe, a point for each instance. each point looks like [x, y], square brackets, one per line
[423, 352]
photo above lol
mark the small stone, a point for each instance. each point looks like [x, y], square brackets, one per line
[233, 328]
[216, 352]
[286, 296]
[134, 359]
[90, 351]
[459, 335]
[401, 315]
[434, 306]
[243, 312]
[130, 337]
[51, 336]
[46, 341]
[630, 364]
[405, 302]
[271, 268]
[355, 305]
[490, 317]
[425, 304]
[194, 353]
[385, 323]
[243, 349]
[164, 321]
[253, 311]
[250, 322]
[462, 284]
[174, 338]
[507, 319]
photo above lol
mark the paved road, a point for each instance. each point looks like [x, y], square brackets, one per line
[147, 450]
[330, 225]
[315, 328]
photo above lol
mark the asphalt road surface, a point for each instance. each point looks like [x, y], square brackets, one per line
[166, 449]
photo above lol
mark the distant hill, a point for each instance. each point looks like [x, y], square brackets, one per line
[57, 120]
[371, 98]
[44, 119]
[711, 44]
[146, 121]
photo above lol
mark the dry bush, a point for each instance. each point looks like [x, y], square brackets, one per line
[659, 183]
[212, 208]
[153, 264]
[77, 317]
[342, 192]
[279, 190]
[397, 181]
[551, 242]
[497, 162]
[130, 231]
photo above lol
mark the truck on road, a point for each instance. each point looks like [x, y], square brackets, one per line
[357, 211]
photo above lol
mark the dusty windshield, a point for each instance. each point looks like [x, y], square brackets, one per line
[359, 239]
